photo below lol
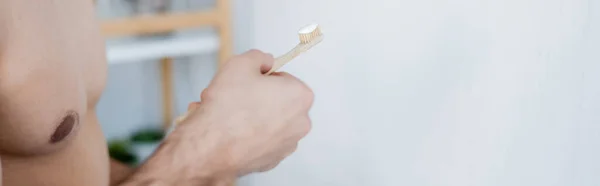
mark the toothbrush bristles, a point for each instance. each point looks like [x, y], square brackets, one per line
[308, 37]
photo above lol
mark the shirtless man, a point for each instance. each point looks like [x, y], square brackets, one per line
[53, 71]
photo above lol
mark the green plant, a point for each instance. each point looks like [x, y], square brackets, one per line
[121, 150]
[147, 136]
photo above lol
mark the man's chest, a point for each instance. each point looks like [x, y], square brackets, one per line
[52, 71]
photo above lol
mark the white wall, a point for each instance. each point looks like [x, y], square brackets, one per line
[443, 93]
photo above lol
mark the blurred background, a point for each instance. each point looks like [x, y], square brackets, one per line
[422, 93]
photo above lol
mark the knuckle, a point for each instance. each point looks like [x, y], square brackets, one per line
[255, 51]
[268, 167]
[232, 62]
[294, 148]
[306, 94]
[236, 58]
[193, 106]
[303, 94]
[302, 90]
[241, 59]
[207, 94]
[309, 94]
[305, 128]
[291, 151]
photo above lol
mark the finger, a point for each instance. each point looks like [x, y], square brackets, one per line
[251, 54]
[303, 126]
[298, 86]
[280, 74]
[193, 105]
[287, 77]
[289, 150]
[255, 61]
[204, 94]
[255, 54]
[269, 167]
[269, 61]
[296, 130]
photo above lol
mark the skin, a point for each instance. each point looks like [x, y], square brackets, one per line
[52, 74]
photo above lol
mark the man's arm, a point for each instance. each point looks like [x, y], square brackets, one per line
[247, 122]
[182, 159]
[118, 172]
[164, 168]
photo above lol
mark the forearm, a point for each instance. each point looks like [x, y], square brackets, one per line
[163, 169]
[119, 172]
[150, 179]
[176, 162]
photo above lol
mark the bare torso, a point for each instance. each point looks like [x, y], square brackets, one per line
[52, 73]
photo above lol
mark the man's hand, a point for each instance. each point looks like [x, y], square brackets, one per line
[247, 122]
[259, 118]
[119, 172]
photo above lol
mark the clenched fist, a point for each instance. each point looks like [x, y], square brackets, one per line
[246, 121]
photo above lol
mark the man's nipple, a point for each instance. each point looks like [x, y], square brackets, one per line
[65, 127]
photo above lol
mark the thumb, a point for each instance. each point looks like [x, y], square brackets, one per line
[254, 61]
[191, 107]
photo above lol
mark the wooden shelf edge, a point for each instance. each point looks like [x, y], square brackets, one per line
[158, 23]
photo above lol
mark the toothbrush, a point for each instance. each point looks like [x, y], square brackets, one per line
[309, 37]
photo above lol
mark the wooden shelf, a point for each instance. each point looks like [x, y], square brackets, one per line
[160, 23]
[164, 49]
